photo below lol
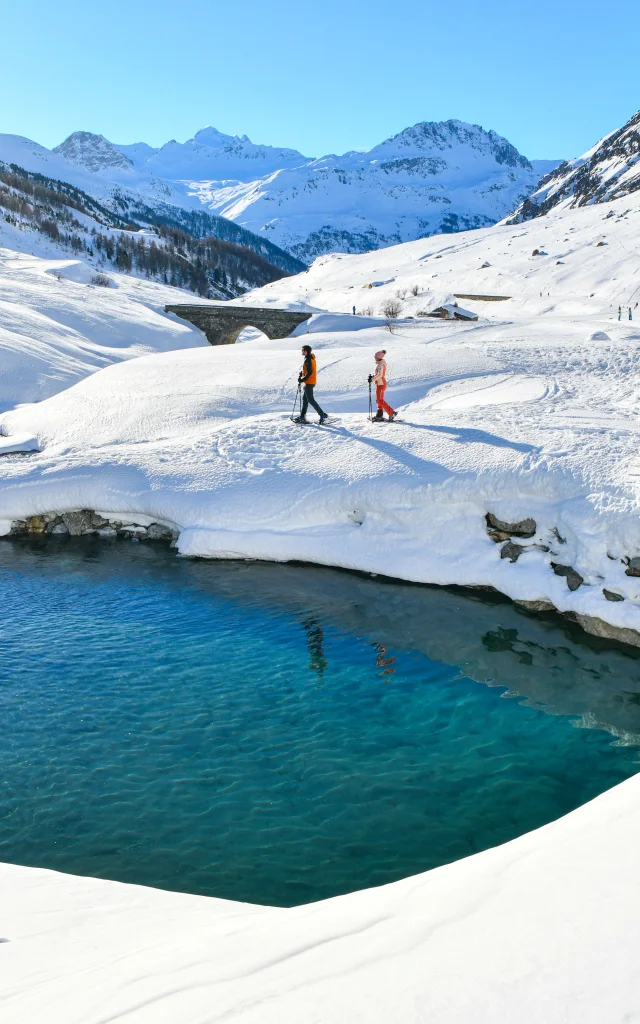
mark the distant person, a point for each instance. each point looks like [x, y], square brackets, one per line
[354, 310]
[619, 312]
[308, 377]
[630, 313]
[379, 378]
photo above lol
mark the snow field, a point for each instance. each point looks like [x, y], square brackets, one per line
[494, 418]
[574, 276]
[56, 327]
[541, 930]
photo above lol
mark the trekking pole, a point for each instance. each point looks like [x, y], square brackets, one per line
[295, 403]
[370, 405]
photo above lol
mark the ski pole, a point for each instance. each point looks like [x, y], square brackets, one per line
[295, 402]
[370, 405]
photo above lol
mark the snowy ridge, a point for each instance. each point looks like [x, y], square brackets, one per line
[431, 177]
[609, 170]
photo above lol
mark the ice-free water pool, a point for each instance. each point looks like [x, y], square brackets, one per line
[278, 733]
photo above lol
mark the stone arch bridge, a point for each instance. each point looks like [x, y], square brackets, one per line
[223, 324]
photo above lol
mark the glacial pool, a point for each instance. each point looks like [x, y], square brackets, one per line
[278, 734]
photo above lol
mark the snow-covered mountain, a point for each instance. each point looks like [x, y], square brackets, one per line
[429, 178]
[609, 170]
[432, 177]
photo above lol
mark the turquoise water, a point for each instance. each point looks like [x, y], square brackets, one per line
[280, 734]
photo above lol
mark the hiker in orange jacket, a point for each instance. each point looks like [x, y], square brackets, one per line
[380, 380]
[308, 376]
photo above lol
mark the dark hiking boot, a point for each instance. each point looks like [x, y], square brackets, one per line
[323, 418]
[392, 417]
[379, 416]
[300, 419]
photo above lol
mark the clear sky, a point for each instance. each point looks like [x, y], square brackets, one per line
[320, 76]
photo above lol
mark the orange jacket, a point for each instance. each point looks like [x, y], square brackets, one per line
[308, 371]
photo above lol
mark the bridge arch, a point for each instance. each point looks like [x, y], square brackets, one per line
[222, 324]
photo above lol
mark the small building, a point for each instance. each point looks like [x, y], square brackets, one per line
[451, 311]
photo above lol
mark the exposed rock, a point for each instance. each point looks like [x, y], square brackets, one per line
[633, 567]
[611, 595]
[36, 524]
[60, 530]
[536, 606]
[159, 532]
[18, 527]
[97, 522]
[524, 528]
[561, 540]
[511, 551]
[497, 536]
[133, 532]
[598, 627]
[78, 522]
[574, 579]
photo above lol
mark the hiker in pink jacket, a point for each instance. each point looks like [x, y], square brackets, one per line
[380, 381]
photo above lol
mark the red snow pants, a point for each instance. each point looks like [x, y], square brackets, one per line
[380, 402]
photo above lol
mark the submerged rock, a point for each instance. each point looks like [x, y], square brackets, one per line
[536, 606]
[598, 627]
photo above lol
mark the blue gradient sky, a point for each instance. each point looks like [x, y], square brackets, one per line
[321, 77]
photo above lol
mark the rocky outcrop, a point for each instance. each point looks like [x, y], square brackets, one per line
[84, 522]
[523, 528]
[598, 627]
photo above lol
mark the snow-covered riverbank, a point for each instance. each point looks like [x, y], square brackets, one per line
[495, 419]
[542, 930]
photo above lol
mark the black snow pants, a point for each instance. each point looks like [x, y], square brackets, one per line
[308, 399]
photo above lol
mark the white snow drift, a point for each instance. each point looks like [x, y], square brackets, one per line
[56, 326]
[542, 930]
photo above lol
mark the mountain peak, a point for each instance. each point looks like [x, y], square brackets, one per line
[447, 135]
[93, 152]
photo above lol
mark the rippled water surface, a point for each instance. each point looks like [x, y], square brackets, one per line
[279, 734]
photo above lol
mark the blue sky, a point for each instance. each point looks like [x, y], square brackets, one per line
[322, 76]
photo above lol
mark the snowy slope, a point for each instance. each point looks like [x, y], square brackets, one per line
[56, 326]
[430, 177]
[587, 264]
[609, 170]
[542, 930]
[530, 412]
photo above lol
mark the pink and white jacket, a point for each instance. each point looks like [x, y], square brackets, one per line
[380, 373]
